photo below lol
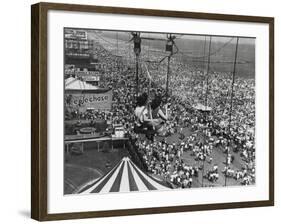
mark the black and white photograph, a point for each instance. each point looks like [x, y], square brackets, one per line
[149, 111]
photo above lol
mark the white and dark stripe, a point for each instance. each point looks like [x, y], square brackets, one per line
[124, 177]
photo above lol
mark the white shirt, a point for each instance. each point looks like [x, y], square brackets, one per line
[140, 113]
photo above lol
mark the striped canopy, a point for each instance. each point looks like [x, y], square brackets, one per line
[124, 177]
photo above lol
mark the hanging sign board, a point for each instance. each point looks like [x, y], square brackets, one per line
[83, 100]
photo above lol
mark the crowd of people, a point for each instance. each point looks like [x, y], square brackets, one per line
[209, 130]
[189, 89]
[165, 160]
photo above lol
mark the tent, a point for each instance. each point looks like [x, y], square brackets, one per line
[124, 177]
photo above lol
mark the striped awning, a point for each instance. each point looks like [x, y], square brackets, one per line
[124, 177]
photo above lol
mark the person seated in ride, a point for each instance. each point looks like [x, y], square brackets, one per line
[143, 123]
[158, 116]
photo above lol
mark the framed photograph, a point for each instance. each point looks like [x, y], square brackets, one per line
[140, 111]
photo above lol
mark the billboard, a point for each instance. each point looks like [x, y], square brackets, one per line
[75, 34]
[100, 99]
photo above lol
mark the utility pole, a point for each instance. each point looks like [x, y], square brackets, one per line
[208, 68]
[204, 51]
[169, 48]
[137, 50]
[129, 45]
[148, 49]
[231, 103]
[168, 76]
[137, 74]
[206, 102]
[203, 167]
[117, 50]
[149, 78]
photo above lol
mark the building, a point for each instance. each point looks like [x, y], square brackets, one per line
[75, 34]
[77, 47]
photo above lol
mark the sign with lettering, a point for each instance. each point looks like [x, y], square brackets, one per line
[75, 34]
[83, 100]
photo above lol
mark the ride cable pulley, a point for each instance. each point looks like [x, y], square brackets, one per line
[137, 43]
[169, 48]
[137, 49]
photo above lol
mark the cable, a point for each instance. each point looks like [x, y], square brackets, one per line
[212, 53]
[98, 36]
[167, 56]
[113, 44]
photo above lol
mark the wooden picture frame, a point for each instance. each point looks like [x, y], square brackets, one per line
[39, 108]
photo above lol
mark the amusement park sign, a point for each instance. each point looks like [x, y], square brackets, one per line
[82, 100]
